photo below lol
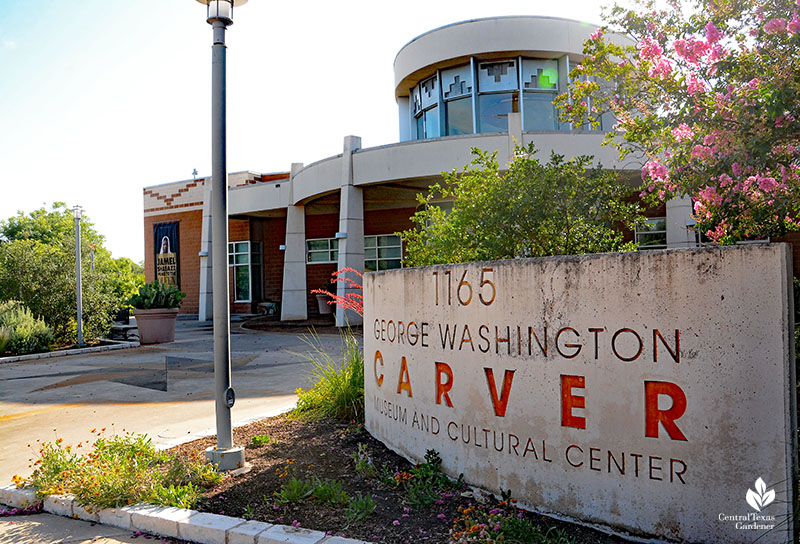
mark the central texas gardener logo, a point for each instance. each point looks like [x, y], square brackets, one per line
[761, 497]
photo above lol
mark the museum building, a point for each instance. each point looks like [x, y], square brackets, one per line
[486, 83]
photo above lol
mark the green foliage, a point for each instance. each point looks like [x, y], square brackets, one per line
[37, 267]
[328, 491]
[295, 490]
[531, 210]
[260, 440]
[707, 93]
[363, 462]
[502, 523]
[426, 482]
[339, 389]
[20, 332]
[360, 508]
[156, 295]
[120, 470]
[130, 277]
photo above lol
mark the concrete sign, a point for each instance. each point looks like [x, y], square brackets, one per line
[650, 393]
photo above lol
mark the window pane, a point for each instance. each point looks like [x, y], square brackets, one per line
[334, 256]
[318, 256]
[242, 283]
[317, 244]
[432, 122]
[540, 114]
[334, 243]
[242, 259]
[459, 116]
[369, 241]
[389, 252]
[389, 240]
[654, 239]
[369, 253]
[242, 247]
[370, 266]
[388, 265]
[656, 223]
[230, 248]
[230, 259]
[420, 128]
[494, 110]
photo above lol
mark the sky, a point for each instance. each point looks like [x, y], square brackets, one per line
[101, 98]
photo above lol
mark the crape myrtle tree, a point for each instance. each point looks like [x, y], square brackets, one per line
[709, 92]
[37, 268]
[530, 209]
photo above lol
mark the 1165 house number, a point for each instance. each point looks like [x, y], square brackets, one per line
[487, 291]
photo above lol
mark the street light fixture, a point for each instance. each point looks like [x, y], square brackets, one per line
[224, 455]
[77, 211]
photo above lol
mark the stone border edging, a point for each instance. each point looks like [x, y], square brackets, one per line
[66, 352]
[168, 521]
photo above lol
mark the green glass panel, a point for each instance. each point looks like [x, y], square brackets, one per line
[370, 253]
[432, 122]
[458, 116]
[242, 259]
[318, 257]
[242, 283]
[370, 266]
[389, 264]
[654, 239]
[494, 109]
[389, 240]
[540, 114]
[389, 252]
[317, 244]
[369, 241]
[242, 247]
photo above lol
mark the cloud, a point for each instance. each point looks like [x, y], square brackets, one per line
[8, 44]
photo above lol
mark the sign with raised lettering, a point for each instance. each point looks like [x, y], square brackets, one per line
[650, 393]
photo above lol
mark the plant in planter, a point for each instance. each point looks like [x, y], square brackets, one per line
[156, 310]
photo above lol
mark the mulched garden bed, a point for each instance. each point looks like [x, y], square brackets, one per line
[326, 450]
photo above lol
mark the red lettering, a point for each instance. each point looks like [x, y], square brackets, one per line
[666, 417]
[404, 385]
[443, 388]
[501, 403]
[569, 401]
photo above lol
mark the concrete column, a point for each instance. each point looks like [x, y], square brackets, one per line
[514, 132]
[351, 228]
[679, 211]
[294, 303]
[206, 301]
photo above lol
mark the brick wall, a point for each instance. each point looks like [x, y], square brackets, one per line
[318, 276]
[388, 221]
[189, 231]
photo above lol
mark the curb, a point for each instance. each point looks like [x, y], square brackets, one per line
[66, 352]
[167, 521]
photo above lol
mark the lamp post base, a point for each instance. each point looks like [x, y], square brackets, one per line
[225, 460]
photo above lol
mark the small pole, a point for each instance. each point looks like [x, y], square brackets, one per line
[77, 212]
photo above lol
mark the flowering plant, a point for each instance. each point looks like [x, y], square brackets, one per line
[707, 93]
[353, 298]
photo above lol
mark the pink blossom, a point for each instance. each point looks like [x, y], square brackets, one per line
[794, 25]
[655, 170]
[649, 49]
[766, 184]
[736, 168]
[691, 49]
[695, 85]
[701, 152]
[712, 33]
[775, 26]
[596, 35]
[753, 83]
[682, 132]
[717, 52]
[662, 69]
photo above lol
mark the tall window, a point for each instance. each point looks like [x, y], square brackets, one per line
[382, 252]
[539, 89]
[426, 108]
[457, 97]
[497, 86]
[245, 260]
[322, 250]
[653, 234]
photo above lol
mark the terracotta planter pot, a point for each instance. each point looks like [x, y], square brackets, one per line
[157, 325]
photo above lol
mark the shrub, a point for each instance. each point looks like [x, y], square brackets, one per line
[156, 295]
[120, 470]
[339, 389]
[20, 332]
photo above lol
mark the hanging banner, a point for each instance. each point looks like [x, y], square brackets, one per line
[165, 243]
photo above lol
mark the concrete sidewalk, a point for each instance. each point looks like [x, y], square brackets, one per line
[48, 529]
[164, 391]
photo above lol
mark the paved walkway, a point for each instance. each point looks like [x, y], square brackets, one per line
[164, 391]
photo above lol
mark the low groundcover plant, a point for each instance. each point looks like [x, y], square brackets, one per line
[119, 470]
